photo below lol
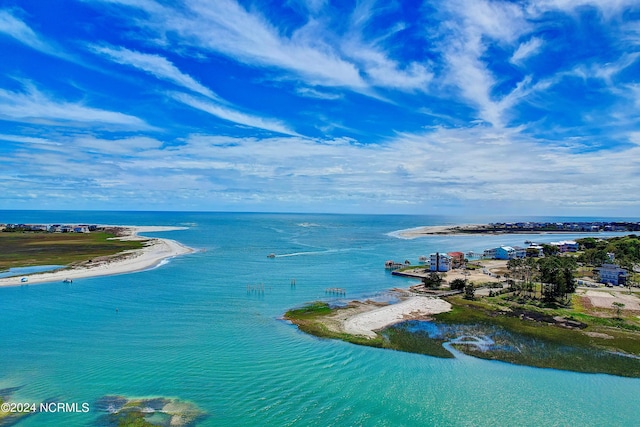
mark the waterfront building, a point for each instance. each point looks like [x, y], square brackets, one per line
[566, 246]
[457, 259]
[520, 252]
[489, 253]
[505, 252]
[439, 262]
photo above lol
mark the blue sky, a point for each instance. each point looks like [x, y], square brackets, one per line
[432, 107]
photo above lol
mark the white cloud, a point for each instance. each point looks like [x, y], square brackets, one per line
[16, 28]
[465, 167]
[231, 115]
[313, 93]
[471, 26]
[155, 65]
[34, 105]
[226, 27]
[608, 8]
[526, 50]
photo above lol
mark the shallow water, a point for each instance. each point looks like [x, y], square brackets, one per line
[20, 271]
[191, 330]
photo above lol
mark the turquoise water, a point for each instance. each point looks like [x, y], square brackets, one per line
[190, 330]
[18, 271]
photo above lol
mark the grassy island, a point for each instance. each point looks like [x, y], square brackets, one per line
[24, 249]
[495, 329]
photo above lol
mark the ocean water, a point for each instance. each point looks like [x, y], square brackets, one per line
[190, 329]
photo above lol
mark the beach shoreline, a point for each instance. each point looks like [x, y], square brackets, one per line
[363, 319]
[366, 323]
[155, 251]
[474, 230]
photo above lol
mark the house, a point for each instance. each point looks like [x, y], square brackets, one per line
[520, 252]
[439, 262]
[505, 252]
[566, 246]
[489, 253]
[457, 259]
[612, 274]
[533, 248]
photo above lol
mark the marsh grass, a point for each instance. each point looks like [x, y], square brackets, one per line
[25, 249]
[308, 319]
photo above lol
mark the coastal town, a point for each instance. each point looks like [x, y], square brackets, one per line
[50, 228]
[607, 273]
[534, 227]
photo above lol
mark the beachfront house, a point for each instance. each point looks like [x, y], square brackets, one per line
[612, 274]
[566, 246]
[439, 262]
[505, 252]
[489, 253]
[520, 252]
[457, 259]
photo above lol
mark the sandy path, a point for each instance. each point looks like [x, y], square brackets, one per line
[368, 322]
[148, 257]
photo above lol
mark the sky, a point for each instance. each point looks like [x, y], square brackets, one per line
[453, 107]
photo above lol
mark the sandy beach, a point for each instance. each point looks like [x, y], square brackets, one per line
[150, 256]
[433, 230]
[374, 318]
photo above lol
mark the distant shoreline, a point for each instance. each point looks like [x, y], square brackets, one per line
[495, 229]
[151, 255]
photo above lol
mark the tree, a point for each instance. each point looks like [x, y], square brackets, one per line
[557, 277]
[549, 250]
[458, 284]
[469, 292]
[432, 281]
[619, 306]
[532, 252]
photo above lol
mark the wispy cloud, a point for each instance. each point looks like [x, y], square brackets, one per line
[471, 25]
[155, 65]
[526, 50]
[33, 106]
[16, 28]
[231, 115]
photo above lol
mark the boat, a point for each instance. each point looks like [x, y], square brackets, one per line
[271, 255]
[24, 280]
[67, 280]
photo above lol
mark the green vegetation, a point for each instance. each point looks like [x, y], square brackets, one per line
[432, 281]
[20, 249]
[457, 284]
[308, 318]
[626, 250]
[541, 341]
[402, 339]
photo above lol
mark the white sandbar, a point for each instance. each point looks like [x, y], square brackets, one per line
[416, 307]
[151, 255]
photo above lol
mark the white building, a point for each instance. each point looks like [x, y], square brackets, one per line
[489, 253]
[439, 262]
